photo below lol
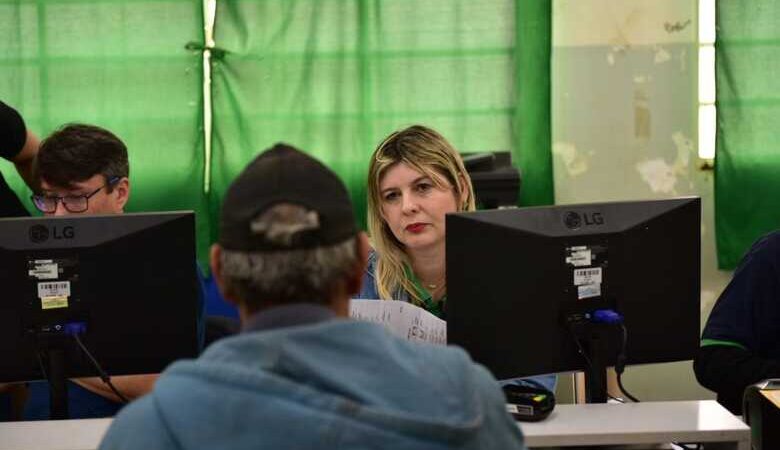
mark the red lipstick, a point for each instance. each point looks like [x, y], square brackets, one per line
[415, 227]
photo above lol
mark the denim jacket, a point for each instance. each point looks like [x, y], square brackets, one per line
[299, 379]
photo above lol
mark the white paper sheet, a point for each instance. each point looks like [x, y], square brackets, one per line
[402, 319]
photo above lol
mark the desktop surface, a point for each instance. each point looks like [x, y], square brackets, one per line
[699, 421]
[648, 423]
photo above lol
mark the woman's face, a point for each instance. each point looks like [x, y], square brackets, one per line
[413, 206]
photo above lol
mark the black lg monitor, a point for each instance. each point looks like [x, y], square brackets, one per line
[552, 289]
[125, 285]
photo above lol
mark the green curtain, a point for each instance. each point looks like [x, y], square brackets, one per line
[122, 65]
[748, 158]
[330, 76]
[334, 77]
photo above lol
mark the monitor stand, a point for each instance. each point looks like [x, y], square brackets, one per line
[53, 345]
[596, 373]
[594, 339]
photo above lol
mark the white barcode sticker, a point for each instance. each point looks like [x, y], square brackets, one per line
[588, 291]
[591, 275]
[44, 270]
[579, 256]
[54, 289]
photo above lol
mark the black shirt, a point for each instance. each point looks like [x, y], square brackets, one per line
[13, 135]
[741, 341]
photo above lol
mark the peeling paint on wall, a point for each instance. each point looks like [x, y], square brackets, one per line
[658, 175]
[684, 149]
[575, 162]
[661, 176]
[683, 60]
[642, 118]
[614, 52]
[661, 55]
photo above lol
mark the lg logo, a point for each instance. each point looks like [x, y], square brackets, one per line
[40, 233]
[574, 220]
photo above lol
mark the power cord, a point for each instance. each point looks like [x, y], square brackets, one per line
[581, 349]
[101, 373]
[41, 365]
[620, 364]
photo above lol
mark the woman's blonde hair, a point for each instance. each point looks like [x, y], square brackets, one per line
[427, 151]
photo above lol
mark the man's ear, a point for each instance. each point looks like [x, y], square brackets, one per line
[355, 280]
[215, 262]
[122, 190]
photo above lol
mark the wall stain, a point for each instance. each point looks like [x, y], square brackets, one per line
[676, 27]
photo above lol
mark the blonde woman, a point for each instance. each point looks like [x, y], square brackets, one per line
[415, 178]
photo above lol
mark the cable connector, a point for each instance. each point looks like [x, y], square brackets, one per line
[74, 328]
[606, 316]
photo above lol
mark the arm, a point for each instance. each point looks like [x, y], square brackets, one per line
[18, 144]
[131, 386]
[25, 160]
[728, 370]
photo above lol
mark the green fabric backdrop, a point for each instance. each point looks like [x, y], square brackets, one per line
[335, 77]
[748, 157]
[121, 65]
[330, 76]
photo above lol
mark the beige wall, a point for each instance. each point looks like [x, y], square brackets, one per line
[624, 119]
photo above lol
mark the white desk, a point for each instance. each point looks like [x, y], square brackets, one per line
[639, 423]
[568, 425]
[82, 434]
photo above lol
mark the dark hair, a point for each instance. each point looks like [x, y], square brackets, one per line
[77, 152]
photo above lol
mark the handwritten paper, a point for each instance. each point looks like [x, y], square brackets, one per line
[402, 319]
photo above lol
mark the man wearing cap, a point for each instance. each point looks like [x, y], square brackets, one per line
[301, 374]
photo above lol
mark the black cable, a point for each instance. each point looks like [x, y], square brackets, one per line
[103, 375]
[580, 349]
[620, 364]
[41, 365]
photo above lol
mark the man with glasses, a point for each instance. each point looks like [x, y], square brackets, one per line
[84, 169]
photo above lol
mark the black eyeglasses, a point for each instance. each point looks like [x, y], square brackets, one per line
[47, 204]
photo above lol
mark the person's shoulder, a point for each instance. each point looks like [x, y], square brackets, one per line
[764, 251]
[432, 353]
[769, 240]
[138, 425]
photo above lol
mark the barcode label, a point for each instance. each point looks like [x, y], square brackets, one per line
[579, 256]
[523, 410]
[591, 275]
[44, 270]
[588, 291]
[54, 289]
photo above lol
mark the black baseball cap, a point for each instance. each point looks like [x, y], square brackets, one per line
[286, 175]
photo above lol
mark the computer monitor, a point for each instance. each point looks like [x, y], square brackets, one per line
[523, 286]
[126, 284]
